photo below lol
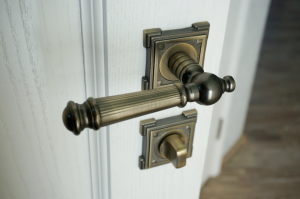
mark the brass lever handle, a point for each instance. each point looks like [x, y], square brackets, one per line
[198, 86]
[96, 113]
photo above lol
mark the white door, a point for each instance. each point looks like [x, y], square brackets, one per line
[125, 65]
[41, 68]
[55, 51]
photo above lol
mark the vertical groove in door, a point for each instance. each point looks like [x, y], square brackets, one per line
[104, 11]
[94, 49]
[85, 86]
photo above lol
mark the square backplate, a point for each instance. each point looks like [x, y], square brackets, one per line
[161, 44]
[153, 131]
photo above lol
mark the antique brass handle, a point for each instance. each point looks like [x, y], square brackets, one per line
[197, 86]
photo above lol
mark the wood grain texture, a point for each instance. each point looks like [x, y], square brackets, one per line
[268, 167]
[126, 57]
[41, 69]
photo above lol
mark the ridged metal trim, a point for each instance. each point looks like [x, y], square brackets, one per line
[126, 106]
[180, 62]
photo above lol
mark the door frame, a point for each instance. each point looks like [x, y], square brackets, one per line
[94, 49]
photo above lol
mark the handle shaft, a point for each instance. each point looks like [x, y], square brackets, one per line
[95, 113]
[122, 107]
[198, 86]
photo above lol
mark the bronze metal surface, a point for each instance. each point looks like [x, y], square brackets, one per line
[165, 135]
[155, 131]
[95, 113]
[147, 35]
[173, 148]
[181, 53]
[203, 88]
[186, 130]
[144, 84]
[122, 107]
[161, 70]
[209, 85]
[164, 62]
[161, 45]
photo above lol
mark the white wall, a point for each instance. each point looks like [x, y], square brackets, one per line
[244, 33]
[41, 69]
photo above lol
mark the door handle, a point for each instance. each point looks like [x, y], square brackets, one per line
[196, 86]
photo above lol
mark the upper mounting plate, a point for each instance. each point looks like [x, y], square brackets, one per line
[161, 45]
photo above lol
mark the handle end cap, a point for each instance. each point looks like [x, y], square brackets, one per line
[71, 119]
[229, 84]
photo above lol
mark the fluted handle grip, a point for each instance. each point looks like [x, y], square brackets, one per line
[95, 113]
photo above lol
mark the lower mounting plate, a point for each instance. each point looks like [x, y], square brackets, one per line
[154, 131]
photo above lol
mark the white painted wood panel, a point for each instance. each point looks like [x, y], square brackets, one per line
[95, 79]
[41, 68]
[244, 33]
[125, 67]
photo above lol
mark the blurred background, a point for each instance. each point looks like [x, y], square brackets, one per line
[265, 160]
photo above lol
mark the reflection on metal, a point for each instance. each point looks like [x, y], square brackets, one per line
[161, 45]
[203, 88]
[145, 85]
[167, 140]
[147, 34]
[174, 149]
[164, 62]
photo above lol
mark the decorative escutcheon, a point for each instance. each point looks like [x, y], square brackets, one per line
[167, 140]
[161, 45]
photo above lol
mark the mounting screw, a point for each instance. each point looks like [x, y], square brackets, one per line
[141, 162]
[144, 85]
